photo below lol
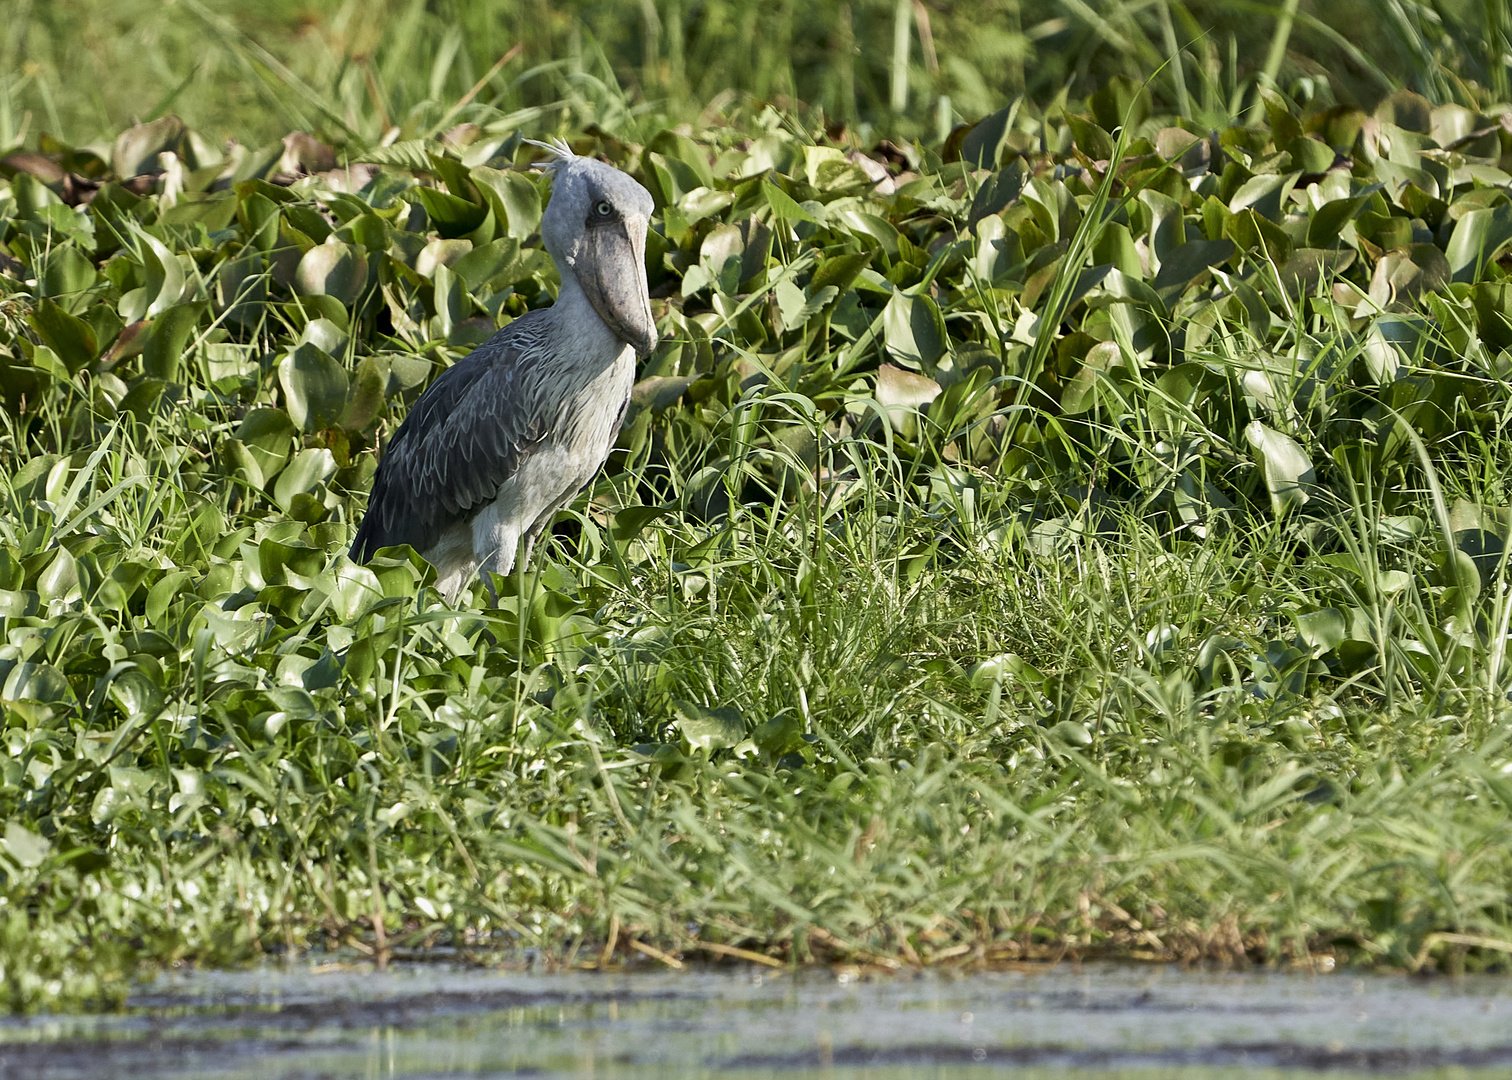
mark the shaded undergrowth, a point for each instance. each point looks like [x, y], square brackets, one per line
[1050, 545]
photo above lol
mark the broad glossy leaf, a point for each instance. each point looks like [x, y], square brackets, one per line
[67, 273]
[913, 331]
[1284, 466]
[1072, 733]
[1311, 154]
[441, 253]
[296, 564]
[779, 735]
[332, 269]
[1322, 631]
[30, 681]
[841, 270]
[24, 846]
[491, 261]
[1406, 110]
[268, 435]
[1181, 265]
[709, 729]
[365, 395]
[450, 215]
[1265, 195]
[309, 468]
[356, 591]
[314, 386]
[165, 276]
[983, 142]
[71, 338]
[1253, 232]
[136, 694]
[1479, 238]
[165, 340]
[1308, 268]
[1326, 225]
[515, 199]
[60, 580]
[784, 206]
[137, 148]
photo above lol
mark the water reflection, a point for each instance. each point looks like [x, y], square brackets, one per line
[431, 1022]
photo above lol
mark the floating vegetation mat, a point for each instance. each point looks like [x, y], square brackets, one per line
[1063, 543]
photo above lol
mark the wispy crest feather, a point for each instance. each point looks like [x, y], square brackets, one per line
[560, 153]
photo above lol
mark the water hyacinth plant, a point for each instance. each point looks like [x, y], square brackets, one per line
[1082, 536]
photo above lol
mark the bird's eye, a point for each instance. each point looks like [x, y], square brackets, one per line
[602, 208]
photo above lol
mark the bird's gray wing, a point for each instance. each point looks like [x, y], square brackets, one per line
[465, 437]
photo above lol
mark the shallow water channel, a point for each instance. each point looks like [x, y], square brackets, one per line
[1104, 1021]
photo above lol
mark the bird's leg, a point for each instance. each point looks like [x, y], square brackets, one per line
[499, 561]
[528, 546]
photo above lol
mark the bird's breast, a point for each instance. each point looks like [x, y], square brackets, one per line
[595, 406]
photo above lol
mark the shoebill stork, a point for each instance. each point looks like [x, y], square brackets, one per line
[505, 437]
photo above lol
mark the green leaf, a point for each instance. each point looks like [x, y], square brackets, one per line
[67, 273]
[514, 197]
[42, 683]
[294, 564]
[913, 331]
[1284, 465]
[1072, 733]
[783, 205]
[841, 270]
[1253, 232]
[367, 229]
[309, 468]
[1323, 630]
[71, 338]
[1264, 195]
[357, 590]
[365, 396]
[1478, 240]
[268, 435]
[1183, 263]
[136, 694]
[631, 521]
[332, 269]
[315, 388]
[25, 846]
[984, 141]
[1090, 139]
[709, 729]
[165, 276]
[779, 735]
[901, 394]
[449, 215]
[1327, 223]
[61, 578]
[411, 154]
[137, 148]
[163, 347]
[487, 263]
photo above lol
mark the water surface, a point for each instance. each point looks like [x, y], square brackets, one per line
[1105, 1021]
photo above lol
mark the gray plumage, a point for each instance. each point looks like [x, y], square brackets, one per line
[504, 438]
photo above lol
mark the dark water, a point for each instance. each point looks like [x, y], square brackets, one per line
[1107, 1022]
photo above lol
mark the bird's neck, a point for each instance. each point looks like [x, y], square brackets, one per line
[577, 322]
[572, 303]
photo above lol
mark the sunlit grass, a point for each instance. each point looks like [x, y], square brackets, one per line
[350, 70]
[1097, 552]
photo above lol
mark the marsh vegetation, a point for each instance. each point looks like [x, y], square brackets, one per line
[1084, 533]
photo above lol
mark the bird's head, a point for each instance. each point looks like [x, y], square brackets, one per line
[595, 229]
